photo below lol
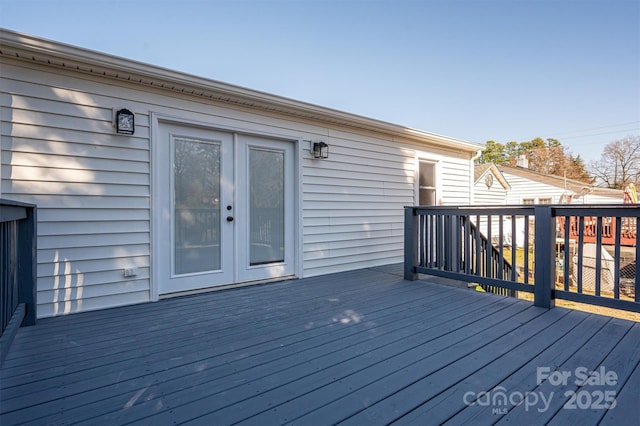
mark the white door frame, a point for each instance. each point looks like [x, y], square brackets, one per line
[259, 131]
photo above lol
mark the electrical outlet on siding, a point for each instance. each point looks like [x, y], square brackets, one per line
[130, 272]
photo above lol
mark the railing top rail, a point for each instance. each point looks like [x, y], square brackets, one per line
[608, 210]
[13, 210]
[619, 210]
[474, 210]
[5, 202]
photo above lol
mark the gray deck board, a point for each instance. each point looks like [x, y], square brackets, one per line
[524, 379]
[311, 376]
[623, 360]
[155, 342]
[362, 347]
[590, 356]
[447, 402]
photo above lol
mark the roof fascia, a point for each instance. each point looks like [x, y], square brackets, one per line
[31, 48]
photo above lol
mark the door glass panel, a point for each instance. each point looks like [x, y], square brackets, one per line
[196, 195]
[266, 206]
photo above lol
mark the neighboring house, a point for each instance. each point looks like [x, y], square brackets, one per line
[507, 185]
[217, 185]
[490, 186]
[530, 187]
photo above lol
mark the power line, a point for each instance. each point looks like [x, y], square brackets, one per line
[603, 133]
[601, 127]
[586, 133]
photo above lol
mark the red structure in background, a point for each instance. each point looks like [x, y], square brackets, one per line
[628, 225]
[628, 230]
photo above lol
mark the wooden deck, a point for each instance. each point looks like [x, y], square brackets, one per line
[362, 347]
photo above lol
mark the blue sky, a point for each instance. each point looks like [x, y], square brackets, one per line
[471, 69]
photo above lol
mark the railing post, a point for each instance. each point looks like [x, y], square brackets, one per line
[410, 244]
[27, 271]
[545, 263]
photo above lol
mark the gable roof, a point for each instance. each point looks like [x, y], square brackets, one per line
[481, 170]
[575, 186]
[75, 59]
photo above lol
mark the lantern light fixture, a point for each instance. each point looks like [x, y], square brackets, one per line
[320, 150]
[125, 122]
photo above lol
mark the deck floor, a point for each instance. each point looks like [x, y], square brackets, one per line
[362, 347]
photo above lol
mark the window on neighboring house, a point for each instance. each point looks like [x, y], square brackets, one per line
[427, 183]
[528, 201]
[544, 200]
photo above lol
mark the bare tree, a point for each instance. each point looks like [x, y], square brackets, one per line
[619, 164]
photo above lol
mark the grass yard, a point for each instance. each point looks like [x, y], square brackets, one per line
[617, 313]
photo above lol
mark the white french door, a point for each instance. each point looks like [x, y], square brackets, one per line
[265, 225]
[224, 208]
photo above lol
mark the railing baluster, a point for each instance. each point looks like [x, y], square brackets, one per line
[526, 249]
[598, 255]
[431, 232]
[580, 252]
[514, 249]
[478, 243]
[567, 250]
[438, 240]
[500, 248]
[488, 252]
[637, 272]
[422, 247]
[467, 245]
[457, 253]
[616, 259]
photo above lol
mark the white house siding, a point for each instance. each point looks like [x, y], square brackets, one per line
[483, 196]
[496, 195]
[603, 199]
[523, 188]
[456, 180]
[353, 202]
[93, 187]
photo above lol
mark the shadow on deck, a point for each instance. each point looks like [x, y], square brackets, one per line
[361, 347]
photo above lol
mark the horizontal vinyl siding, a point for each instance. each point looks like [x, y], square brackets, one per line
[522, 188]
[352, 204]
[92, 188]
[599, 199]
[455, 181]
[494, 196]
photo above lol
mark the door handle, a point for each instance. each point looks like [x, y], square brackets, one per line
[229, 218]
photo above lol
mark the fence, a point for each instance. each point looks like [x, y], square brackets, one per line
[544, 247]
[17, 269]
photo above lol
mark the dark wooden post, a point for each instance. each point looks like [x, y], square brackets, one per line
[410, 244]
[544, 255]
[27, 270]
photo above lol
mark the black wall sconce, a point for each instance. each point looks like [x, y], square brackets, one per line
[125, 122]
[320, 150]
